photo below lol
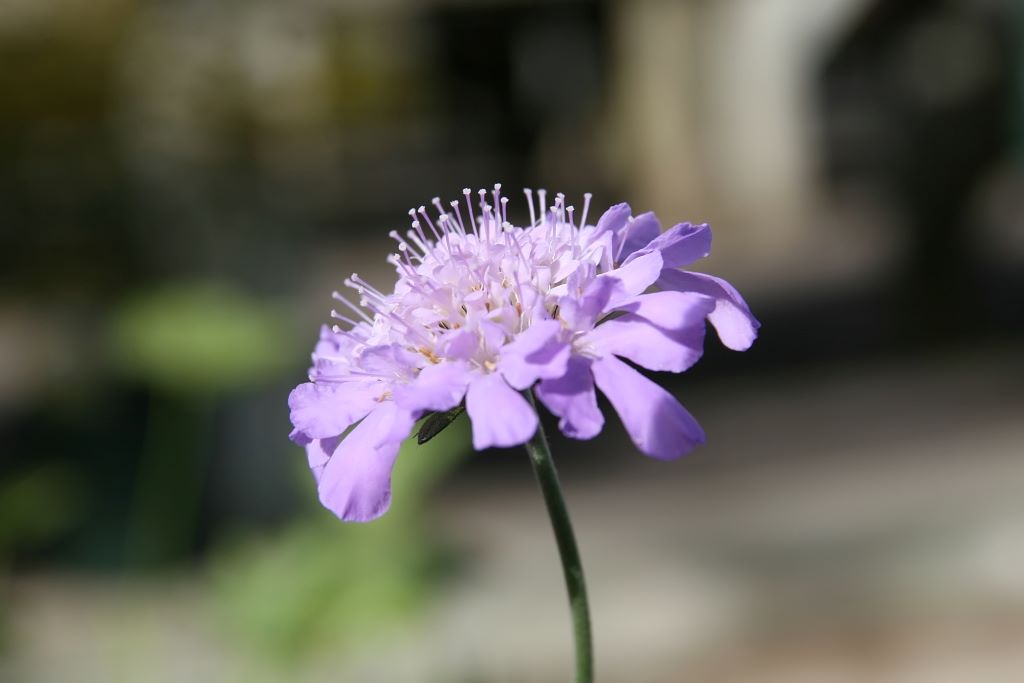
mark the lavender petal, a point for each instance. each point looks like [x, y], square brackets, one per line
[499, 414]
[572, 398]
[437, 387]
[659, 426]
[680, 245]
[536, 353]
[736, 325]
[355, 483]
[327, 409]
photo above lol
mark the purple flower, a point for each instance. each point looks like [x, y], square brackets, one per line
[483, 310]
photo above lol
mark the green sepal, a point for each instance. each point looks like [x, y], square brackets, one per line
[435, 423]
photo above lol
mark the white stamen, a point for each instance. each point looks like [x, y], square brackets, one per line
[358, 311]
[416, 226]
[586, 208]
[430, 223]
[458, 214]
[415, 239]
[469, 208]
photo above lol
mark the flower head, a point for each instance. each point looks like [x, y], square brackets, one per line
[483, 310]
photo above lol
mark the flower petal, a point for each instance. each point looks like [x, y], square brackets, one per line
[389, 360]
[572, 398]
[327, 409]
[318, 452]
[355, 483]
[736, 325]
[659, 331]
[329, 342]
[680, 245]
[647, 345]
[638, 233]
[612, 220]
[499, 413]
[635, 276]
[672, 310]
[603, 240]
[437, 387]
[536, 353]
[492, 336]
[462, 344]
[582, 311]
[659, 426]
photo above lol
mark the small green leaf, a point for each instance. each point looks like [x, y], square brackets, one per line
[435, 423]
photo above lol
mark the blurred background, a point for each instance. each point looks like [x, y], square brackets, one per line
[182, 185]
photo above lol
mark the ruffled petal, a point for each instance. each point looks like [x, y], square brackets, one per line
[438, 387]
[671, 310]
[461, 344]
[318, 452]
[679, 245]
[499, 414]
[612, 220]
[536, 353]
[638, 233]
[391, 360]
[635, 276]
[572, 398]
[736, 325]
[659, 426]
[329, 342]
[659, 331]
[492, 336]
[355, 483]
[647, 345]
[327, 409]
[582, 311]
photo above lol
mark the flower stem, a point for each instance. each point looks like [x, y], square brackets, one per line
[572, 567]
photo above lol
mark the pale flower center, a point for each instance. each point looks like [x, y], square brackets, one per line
[478, 274]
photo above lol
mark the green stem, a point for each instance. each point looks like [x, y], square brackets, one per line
[572, 567]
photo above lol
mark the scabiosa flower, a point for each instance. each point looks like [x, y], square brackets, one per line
[483, 310]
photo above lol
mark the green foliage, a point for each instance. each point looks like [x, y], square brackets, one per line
[323, 583]
[37, 505]
[200, 338]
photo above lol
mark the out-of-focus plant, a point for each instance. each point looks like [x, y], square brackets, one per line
[199, 339]
[190, 343]
[35, 507]
[317, 583]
